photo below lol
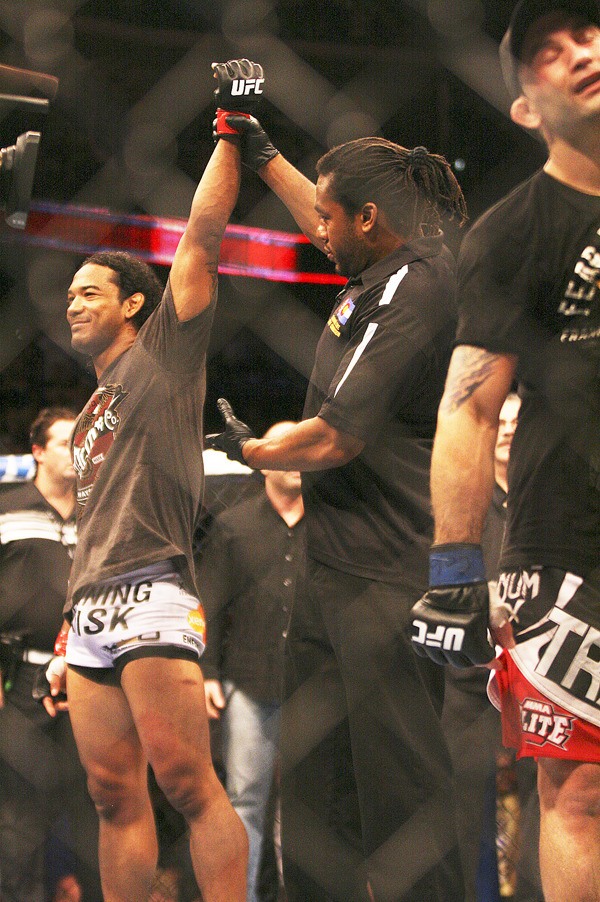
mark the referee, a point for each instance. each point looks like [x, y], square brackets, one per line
[366, 799]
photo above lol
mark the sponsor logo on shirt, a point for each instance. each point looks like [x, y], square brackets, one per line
[340, 316]
[94, 437]
[582, 296]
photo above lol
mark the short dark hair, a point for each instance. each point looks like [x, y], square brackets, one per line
[46, 418]
[414, 188]
[132, 275]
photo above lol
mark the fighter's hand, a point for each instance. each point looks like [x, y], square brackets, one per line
[215, 698]
[50, 686]
[256, 145]
[235, 436]
[450, 622]
[239, 85]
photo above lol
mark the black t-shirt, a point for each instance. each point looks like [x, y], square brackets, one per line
[529, 274]
[137, 451]
[247, 576]
[379, 373]
[36, 548]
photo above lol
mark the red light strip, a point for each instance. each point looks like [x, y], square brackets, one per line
[246, 251]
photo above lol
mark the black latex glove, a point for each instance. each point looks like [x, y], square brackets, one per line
[256, 145]
[235, 436]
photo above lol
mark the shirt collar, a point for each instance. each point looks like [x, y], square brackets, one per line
[417, 249]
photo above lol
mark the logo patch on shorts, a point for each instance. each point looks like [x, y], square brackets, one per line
[541, 724]
[197, 622]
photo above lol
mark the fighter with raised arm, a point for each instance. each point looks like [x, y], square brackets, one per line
[134, 683]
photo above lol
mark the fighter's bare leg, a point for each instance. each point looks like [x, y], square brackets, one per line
[166, 698]
[570, 830]
[117, 772]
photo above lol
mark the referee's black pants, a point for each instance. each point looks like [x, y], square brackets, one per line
[367, 806]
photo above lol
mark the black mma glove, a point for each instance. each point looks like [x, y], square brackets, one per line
[239, 89]
[235, 436]
[450, 622]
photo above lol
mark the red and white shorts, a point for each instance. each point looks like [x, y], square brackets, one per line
[133, 613]
[548, 689]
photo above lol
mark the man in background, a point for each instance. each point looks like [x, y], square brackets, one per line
[248, 573]
[40, 775]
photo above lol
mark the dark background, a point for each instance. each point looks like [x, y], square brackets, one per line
[130, 131]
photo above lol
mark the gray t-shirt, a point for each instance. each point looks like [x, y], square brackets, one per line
[137, 450]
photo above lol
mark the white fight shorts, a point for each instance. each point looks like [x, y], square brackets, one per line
[548, 688]
[129, 614]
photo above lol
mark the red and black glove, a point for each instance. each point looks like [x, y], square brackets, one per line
[239, 90]
[238, 94]
[450, 622]
[256, 146]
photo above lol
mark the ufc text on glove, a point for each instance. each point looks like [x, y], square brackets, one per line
[450, 621]
[239, 85]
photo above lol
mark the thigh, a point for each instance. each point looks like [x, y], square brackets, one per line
[320, 822]
[165, 698]
[104, 730]
[314, 706]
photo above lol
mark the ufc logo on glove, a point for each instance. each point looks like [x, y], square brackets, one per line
[450, 638]
[245, 86]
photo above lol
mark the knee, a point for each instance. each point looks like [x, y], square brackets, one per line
[188, 787]
[118, 797]
[569, 788]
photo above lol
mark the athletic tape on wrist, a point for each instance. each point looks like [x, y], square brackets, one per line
[456, 565]
[56, 668]
[223, 127]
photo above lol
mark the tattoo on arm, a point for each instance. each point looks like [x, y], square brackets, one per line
[470, 368]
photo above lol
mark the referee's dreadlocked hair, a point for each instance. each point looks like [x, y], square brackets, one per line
[414, 188]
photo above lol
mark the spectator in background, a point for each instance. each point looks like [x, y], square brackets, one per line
[40, 774]
[248, 572]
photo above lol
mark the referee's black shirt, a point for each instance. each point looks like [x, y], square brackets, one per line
[379, 374]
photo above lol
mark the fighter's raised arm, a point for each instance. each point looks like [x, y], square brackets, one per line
[195, 266]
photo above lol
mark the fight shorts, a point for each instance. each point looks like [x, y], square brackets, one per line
[548, 689]
[130, 615]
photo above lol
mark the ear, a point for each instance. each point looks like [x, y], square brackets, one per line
[133, 304]
[37, 452]
[523, 112]
[368, 216]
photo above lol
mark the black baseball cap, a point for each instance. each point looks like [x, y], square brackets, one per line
[525, 13]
